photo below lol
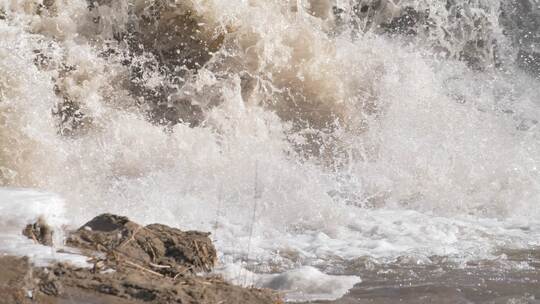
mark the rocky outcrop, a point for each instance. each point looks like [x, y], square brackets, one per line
[131, 264]
[165, 250]
[530, 62]
[521, 21]
[161, 38]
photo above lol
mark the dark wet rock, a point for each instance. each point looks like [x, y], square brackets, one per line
[371, 14]
[405, 24]
[460, 30]
[40, 232]
[68, 112]
[530, 61]
[103, 233]
[177, 111]
[164, 39]
[71, 121]
[169, 246]
[521, 22]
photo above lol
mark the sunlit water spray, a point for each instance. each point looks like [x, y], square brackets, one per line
[369, 127]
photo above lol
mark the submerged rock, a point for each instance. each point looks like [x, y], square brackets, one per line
[530, 62]
[405, 23]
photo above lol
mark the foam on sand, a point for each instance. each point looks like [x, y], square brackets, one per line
[305, 283]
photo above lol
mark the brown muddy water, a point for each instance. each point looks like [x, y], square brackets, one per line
[514, 278]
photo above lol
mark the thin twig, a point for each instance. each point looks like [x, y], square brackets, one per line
[252, 224]
[131, 238]
[144, 269]
[159, 266]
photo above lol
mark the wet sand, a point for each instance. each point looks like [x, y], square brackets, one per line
[17, 282]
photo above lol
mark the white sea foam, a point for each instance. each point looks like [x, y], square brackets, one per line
[301, 284]
[317, 138]
[20, 207]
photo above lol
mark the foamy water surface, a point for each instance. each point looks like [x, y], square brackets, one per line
[300, 133]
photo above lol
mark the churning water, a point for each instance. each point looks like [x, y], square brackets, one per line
[301, 133]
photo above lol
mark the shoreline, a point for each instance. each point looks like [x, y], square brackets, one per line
[128, 264]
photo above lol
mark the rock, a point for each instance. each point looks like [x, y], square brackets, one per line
[175, 111]
[162, 249]
[168, 38]
[132, 264]
[22, 283]
[103, 233]
[134, 286]
[40, 232]
[530, 62]
[405, 23]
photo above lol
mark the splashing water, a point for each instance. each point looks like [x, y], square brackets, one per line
[381, 128]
